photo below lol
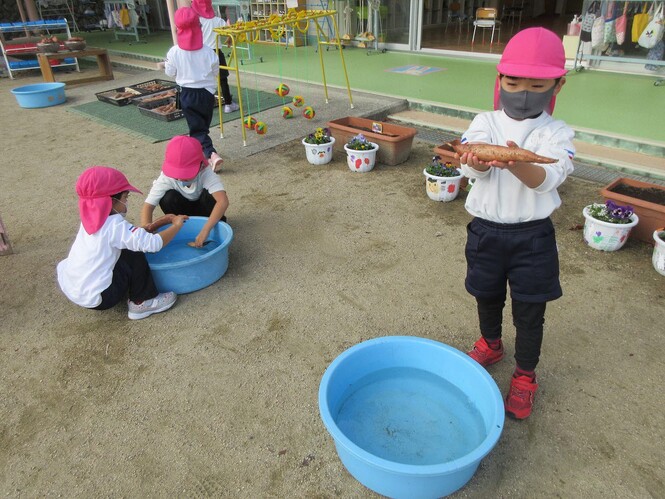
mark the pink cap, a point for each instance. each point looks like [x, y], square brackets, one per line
[188, 33]
[203, 8]
[95, 187]
[532, 53]
[183, 157]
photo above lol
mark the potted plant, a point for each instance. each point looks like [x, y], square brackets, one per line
[319, 146]
[646, 198]
[658, 258]
[607, 226]
[442, 180]
[360, 154]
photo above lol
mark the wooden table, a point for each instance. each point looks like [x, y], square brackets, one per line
[103, 61]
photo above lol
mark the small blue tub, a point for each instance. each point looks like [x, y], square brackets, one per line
[40, 95]
[410, 417]
[179, 267]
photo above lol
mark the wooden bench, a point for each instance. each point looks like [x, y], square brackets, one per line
[103, 61]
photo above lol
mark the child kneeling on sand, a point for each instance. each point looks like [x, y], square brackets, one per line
[187, 187]
[107, 260]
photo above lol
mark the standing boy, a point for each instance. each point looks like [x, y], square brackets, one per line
[511, 238]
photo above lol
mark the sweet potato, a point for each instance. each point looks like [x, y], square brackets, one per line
[489, 152]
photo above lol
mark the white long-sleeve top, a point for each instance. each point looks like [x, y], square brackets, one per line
[193, 68]
[88, 269]
[207, 26]
[497, 195]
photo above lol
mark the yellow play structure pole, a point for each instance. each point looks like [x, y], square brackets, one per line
[248, 31]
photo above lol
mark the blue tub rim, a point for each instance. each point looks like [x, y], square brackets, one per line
[227, 232]
[37, 88]
[473, 458]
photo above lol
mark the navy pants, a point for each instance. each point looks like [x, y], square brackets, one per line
[176, 203]
[224, 79]
[132, 275]
[198, 106]
[525, 257]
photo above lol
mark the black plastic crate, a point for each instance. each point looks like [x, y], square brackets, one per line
[120, 96]
[144, 99]
[152, 109]
[153, 86]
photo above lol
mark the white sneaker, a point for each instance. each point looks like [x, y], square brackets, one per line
[216, 162]
[160, 303]
[229, 108]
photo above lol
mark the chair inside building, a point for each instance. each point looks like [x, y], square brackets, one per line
[456, 16]
[486, 18]
[513, 11]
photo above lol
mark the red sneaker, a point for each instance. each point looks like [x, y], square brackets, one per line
[519, 400]
[484, 355]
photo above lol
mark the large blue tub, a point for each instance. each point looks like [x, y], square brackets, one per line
[179, 267]
[40, 95]
[410, 417]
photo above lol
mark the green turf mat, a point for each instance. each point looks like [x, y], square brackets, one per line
[129, 119]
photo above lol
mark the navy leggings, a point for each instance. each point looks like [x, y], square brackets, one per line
[528, 319]
[224, 79]
[131, 274]
[198, 106]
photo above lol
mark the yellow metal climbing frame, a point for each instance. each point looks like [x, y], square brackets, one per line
[249, 31]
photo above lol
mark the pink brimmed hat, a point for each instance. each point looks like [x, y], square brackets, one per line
[203, 8]
[183, 157]
[188, 29]
[532, 53]
[95, 187]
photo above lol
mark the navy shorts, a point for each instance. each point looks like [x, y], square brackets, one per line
[524, 255]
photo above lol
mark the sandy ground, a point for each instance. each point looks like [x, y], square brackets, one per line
[218, 396]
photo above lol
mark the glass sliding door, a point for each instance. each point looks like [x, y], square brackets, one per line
[398, 27]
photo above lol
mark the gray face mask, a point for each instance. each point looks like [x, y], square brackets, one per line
[525, 104]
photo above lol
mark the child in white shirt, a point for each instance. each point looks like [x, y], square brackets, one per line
[187, 187]
[194, 67]
[511, 239]
[107, 260]
[209, 21]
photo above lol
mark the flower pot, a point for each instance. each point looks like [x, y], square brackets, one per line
[394, 141]
[658, 258]
[647, 200]
[449, 156]
[361, 161]
[319, 154]
[442, 188]
[606, 236]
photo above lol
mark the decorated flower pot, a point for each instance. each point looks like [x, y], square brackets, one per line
[361, 161]
[606, 236]
[319, 154]
[658, 258]
[442, 188]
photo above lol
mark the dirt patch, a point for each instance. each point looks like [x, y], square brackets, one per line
[218, 396]
[649, 194]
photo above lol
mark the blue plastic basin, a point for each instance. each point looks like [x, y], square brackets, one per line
[179, 267]
[410, 417]
[40, 95]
